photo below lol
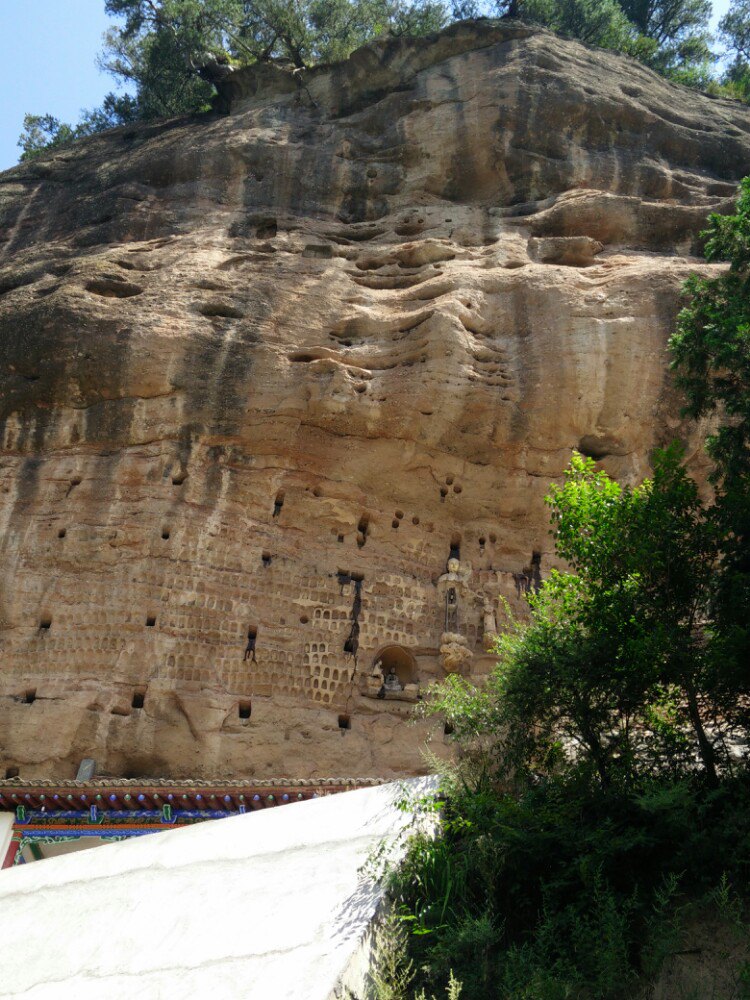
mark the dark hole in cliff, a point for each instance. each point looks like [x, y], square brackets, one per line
[395, 523]
[61, 533]
[45, 624]
[362, 530]
[303, 619]
[278, 503]
[221, 309]
[304, 357]
[448, 729]
[76, 481]
[317, 492]
[449, 480]
[252, 639]
[482, 542]
[345, 722]
[266, 558]
[443, 492]
[592, 447]
[340, 538]
[165, 533]
[415, 520]
[11, 772]
[266, 229]
[399, 514]
[455, 552]
[111, 289]
[150, 621]
[29, 696]
[245, 709]
[457, 489]
[139, 698]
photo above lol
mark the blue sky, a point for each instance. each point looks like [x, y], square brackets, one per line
[48, 63]
[48, 52]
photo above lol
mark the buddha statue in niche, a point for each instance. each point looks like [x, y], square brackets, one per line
[455, 655]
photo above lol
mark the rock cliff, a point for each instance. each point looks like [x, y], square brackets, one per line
[263, 373]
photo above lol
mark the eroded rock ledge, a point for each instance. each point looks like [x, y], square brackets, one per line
[262, 374]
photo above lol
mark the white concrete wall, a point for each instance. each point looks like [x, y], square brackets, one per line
[267, 906]
[6, 833]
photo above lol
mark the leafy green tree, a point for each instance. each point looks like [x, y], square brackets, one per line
[43, 132]
[734, 29]
[596, 22]
[612, 674]
[171, 53]
[711, 361]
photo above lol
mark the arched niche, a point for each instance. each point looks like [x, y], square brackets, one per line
[402, 659]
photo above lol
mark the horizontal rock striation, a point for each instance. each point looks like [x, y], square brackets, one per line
[263, 373]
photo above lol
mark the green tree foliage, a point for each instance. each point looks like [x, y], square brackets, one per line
[170, 53]
[671, 36]
[301, 31]
[563, 891]
[711, 360]
[734, 31]
[43, 132]
[596, 22]
[614, 674]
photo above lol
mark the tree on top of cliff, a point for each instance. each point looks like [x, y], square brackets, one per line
[170, 52]
[301, 31]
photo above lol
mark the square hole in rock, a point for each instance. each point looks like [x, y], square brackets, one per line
[245, 709]
[150, 621]
[139, 698]
[11, 772]
[29, 696]
[45, 624]
[345, 722]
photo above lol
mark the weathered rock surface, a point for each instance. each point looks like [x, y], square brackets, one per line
[261, 374]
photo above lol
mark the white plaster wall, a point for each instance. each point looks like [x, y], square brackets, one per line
[266, 906]
[6, 833]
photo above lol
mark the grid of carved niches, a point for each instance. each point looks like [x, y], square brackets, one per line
[206, 583]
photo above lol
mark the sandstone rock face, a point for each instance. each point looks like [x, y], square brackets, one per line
[262, 374]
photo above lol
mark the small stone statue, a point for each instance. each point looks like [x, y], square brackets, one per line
[392, 683]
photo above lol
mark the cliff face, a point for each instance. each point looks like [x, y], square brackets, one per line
[261, 374]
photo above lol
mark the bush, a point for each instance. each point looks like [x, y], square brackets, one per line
[568, 890]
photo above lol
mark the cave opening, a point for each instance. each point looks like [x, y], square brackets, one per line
[363, 529]
[399, 660]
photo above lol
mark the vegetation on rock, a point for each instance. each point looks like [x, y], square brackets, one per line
[170, 53]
